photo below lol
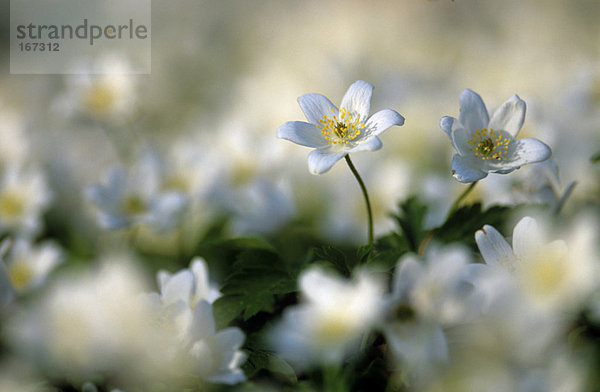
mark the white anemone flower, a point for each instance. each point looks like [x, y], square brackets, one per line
[129, 198]
[555, 275]
[184, 312]
[333, 132]
[29, 265]
[24, 196]
[333, 315]
[189, 285]
[489, 145]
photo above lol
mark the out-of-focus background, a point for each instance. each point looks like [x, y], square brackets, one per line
[226, 74]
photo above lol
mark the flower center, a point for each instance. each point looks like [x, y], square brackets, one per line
[134, 205]
[100, 99]
[342, 130]
[12, 205]
[487, 144]
[20, 274]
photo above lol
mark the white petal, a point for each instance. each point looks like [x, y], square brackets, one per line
[527, 237]
[315, 106]
[407, 272]
[493, 247]
[460, 141]
[371, 144]
[357, 99]
[464, 172]
[320, 161]
[302, 133]
[528, 150]
[382, 120]
[203, 321]
[446, 125]
[510, 116]
[179, 287]
[473, 113]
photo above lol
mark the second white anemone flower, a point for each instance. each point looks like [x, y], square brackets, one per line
[333, 132]
[488, 145]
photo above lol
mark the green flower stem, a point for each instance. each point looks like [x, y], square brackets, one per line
[366, 195]
[460, 198]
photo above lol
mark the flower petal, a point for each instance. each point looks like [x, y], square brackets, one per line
[528, 150]
[320, 161]
[371, 144]
[493, 247]
[446, 125]
[473, 113]
[527, 237]
[510, 116]
[178, 288]
[302, 133]
[382, 120]
[463, 171]
[357, 99]
[315, 106]
[460, 141]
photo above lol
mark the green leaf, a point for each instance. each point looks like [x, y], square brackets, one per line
[363, 253]
[257, 278]
[388, 249]
[410, 220]
[264, 360]
[334, 256]
[596, 157]
[465, 221]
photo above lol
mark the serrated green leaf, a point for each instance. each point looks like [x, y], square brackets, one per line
[410, 219]
[227, 308]
[264, 360]
[465, 221]
[257, 278]
[334, 256]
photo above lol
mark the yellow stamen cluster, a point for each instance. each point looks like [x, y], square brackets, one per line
[487, 144]
[20, 274]
[342, 130]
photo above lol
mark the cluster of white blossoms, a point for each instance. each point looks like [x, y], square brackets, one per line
[448, 321]
[106, 322]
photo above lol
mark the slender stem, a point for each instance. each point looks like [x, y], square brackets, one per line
[460, 198]
[365, 194]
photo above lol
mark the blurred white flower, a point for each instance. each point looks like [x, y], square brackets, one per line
[189, 285]
[183, 311]
[24, 195]
[136, 197]
[29, 265]
[333, 315]
[333, 132]
[92, 322]
[485, 145]
[101, 90]
[554, 275]
[15, 148]
[427, 296]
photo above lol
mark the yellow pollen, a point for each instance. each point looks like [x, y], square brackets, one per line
[134, 205]
[100, 99]
[12, 205]
[341, 130]
[20, 274]
[487, 144]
